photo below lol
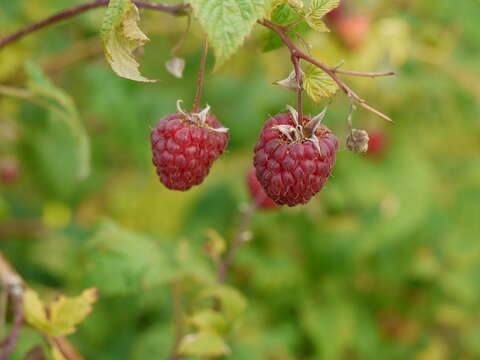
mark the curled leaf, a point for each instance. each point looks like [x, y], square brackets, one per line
[175, 66]
[121, 37]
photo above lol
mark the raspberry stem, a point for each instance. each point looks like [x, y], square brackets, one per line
[201, 73]
[299, 79]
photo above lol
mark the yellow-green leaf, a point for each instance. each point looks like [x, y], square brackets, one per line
[34, 310]
[233, 303]
[319, 8]
[121, 36]
[316, 12]
[203, 344]
[209, 320]
[296, 5]
[318, 84]
[64, 314]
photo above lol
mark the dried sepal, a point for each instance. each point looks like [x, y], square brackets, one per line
[175, 66]
[290, 83]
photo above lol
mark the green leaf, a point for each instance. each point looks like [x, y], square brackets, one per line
[205, 343]
[59, 103]
[209, 320]
[233, 303]
[64, 314]
[228, 22]
[318, 84]
[282, 15]
[121, 37]
[122, 262]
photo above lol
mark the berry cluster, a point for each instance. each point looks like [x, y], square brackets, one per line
[293, 157]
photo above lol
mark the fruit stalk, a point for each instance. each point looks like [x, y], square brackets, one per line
[201, 74]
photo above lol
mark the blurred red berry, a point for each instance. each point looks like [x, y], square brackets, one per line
[257, 193]
[377, 143]
[290, 166]
[185, 146]
[352, 30]
[9, 170]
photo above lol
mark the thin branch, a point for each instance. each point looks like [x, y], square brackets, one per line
[240, 237]
[201, 74]
[331, 71]
[66, 348]
[13, 285]
[364, 74]
[176, 10]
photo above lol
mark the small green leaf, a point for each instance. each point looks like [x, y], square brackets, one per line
[228, 22]
[209, 320]
[204, 344]
[282, 15]
[121, 37]
[59, 103]
[318, 84]
[232, 302]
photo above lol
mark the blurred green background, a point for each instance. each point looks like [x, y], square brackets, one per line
[383, 264]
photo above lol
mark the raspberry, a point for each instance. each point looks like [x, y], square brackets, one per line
[293, 159]
[259, 196]
[9, 170]
[185, 145]
[377, 143]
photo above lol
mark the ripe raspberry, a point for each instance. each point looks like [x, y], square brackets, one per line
[293, 159]
[185, 145]
[259, 196]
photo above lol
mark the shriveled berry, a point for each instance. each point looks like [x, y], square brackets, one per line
[185, 147]
[257, 193]
[291, 167]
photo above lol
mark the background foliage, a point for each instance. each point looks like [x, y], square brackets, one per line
[383, 264]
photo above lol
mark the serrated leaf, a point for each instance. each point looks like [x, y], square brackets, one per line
[318, 85]
[297, 5]
[62, 104]
[203, 344]
[232, 302]
[319, 8]
[228, 22]
[64, 314]
[121, 36]
[209, 320]
[122, 262]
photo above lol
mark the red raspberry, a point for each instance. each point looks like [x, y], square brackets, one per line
[185, 145]
[291, 165]
[259, 196]
[377, 143]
